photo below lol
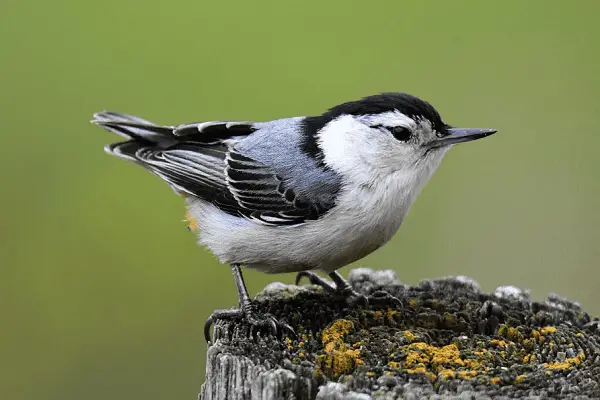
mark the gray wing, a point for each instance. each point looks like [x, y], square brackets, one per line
[201, 160]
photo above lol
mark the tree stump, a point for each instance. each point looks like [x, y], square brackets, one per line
[448, 339]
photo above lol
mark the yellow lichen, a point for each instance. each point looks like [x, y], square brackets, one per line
[467, 375]
[447, 355]
[474, 363]
[442, 362]
[339, 358]
[548, 330]
[446, 374]
[495, 380]
[422, 370]
[482, 356]
[440, 358]
[520, 379]
[566, 364]
[338, 362]
[418, 353]
[509, 333]
[413, 303]
[337, 330]
[394, 365]
[391, 314]
[370, 374]
[344, 360]
[499, 343]
[409, 336]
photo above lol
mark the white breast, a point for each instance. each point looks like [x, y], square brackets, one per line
[364, 218]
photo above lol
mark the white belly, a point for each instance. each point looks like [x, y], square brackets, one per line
[364, 219]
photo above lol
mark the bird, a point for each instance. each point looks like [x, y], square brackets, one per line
[295, 194]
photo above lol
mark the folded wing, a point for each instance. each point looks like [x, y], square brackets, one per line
[201, 160]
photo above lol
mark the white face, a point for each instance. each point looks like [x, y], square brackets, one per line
[364, 148]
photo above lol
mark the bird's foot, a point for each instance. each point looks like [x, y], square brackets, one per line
[248, 313]
[341, 287]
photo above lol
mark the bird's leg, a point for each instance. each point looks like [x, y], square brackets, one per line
[246, 311]
[343, 288]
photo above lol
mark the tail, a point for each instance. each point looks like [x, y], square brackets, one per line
[138, 132]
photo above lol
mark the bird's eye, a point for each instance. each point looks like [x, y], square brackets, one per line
[401, 133]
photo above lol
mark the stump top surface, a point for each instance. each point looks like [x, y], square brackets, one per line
[447, 338]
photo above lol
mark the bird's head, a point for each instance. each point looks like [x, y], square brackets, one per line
[383, 134]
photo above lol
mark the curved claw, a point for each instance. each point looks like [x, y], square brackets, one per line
[233, 313]
[278, 327]
[273, 326]
[302, 274]
[289, 330]
[270, 322]
[207, 325]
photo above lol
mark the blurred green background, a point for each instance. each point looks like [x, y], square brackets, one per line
[103, 292]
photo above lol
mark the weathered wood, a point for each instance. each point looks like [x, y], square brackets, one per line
[447, 340]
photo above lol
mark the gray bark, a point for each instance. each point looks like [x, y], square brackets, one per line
[448, 339]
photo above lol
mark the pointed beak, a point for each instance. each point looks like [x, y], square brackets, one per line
[460, 135]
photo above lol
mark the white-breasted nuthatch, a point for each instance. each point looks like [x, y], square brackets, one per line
[295, 194]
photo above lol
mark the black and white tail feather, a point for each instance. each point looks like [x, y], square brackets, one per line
[200, 160]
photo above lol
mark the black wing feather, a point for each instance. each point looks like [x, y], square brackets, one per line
[213, 132]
